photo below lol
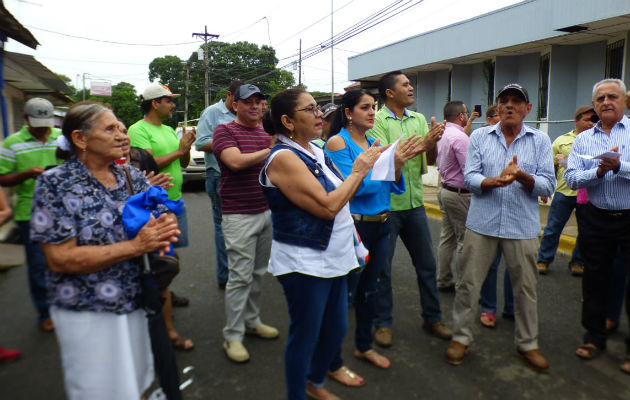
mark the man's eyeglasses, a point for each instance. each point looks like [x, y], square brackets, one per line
[315, 110]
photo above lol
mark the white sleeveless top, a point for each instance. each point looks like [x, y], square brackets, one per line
[339, 257]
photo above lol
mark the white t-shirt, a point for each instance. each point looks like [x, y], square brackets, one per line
[339, 257]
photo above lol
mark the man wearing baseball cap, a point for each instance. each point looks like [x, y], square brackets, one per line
[23, 157]
[241, 147]
[508, 166]
[328, 111]
[564, 199]
[170, 154]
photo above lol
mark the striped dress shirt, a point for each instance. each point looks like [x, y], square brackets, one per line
[612, 191]
[509, 212]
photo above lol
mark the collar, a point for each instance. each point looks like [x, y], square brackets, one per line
[223, 108]
[391, 113]
[524, 130]
[82, 172]
[453, 125]
[624, 122]
[289, 142]
[28, 136]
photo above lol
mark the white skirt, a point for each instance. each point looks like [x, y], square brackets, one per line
[104, 355]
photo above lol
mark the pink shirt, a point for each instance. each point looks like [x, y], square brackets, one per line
[451, 158]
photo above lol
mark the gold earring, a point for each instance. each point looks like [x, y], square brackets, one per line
[291, 135]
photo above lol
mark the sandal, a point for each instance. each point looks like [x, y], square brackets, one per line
[373, 357]
[346, 377]
[182, 343]
[488, 319]
[588, 351]
[319, 393]
[625, 366]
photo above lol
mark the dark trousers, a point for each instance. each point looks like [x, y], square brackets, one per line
[36, 263]
[602, 234]
[318, 311]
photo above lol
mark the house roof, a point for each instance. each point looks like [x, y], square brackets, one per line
[10, 27]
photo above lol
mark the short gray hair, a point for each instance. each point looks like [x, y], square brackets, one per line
[619, 83]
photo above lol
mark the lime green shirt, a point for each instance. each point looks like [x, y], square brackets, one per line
[161, 140]
[20, 152]
[562, 145]
[388, 128]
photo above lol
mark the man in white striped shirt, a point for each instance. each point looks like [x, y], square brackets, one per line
[508, 166]
[600, 162]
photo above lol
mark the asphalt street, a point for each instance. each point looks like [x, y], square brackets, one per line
[419, 370]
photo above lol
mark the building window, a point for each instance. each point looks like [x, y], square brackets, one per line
[489, 75]
[543, 86]
[614, 59]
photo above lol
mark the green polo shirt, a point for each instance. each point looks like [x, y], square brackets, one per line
[388, 128]
[562, 145]
[161, 140]
[20, 152]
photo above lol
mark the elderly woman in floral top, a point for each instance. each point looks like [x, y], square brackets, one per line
[94, 277]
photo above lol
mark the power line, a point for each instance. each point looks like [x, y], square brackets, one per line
[110, 41]
[91, 61]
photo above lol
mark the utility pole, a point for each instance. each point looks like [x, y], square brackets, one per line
[186, 96]
[85, 73]
[332, 58]
[205, 36]
[300, 66]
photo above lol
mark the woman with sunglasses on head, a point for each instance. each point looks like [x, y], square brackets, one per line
[370, 208]
[313, 248]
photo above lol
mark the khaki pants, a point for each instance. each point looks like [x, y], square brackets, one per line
[248, 244]
[454, 207]
[520, 257]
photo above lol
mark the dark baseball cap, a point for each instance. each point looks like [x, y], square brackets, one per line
[328, 109]
[246, 91]
[581, 110]
[516, 89]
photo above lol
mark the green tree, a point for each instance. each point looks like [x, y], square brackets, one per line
[228, 62]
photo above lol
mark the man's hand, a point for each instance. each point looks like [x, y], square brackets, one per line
[407, 150]
[434, 134]
[609, 164]
[544, 199]
[188, 138]
[512, 168]
[163, 179]
[472, 117]
[497, 181]
[34, 172]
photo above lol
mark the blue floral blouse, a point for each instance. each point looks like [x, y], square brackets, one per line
[70, 203]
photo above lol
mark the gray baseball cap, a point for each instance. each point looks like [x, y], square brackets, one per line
[328, 109]
[39, 113]
[246, 91]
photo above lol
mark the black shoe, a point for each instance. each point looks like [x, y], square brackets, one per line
[222, 285]
[447, 289]
[507, 316]
[177, 301]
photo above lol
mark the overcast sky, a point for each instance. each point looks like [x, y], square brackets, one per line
[281, 23]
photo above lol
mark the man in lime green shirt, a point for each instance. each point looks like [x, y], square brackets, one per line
[170, 154]
[408, 216]
[564, 199]
[23, 157]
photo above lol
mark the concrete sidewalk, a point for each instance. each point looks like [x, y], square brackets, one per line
[567, 239]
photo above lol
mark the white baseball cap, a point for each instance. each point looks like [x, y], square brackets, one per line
[156, 90]
[39, 113]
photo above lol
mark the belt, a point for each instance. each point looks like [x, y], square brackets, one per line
[610, 213]
[382, 217]
[454, 189]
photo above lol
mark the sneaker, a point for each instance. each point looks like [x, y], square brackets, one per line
[542, 268]
[263, 331]
[236, 351]
[577, 269]
[383, 337]
[439, 330]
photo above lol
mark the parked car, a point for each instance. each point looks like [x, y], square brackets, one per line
[196, 169]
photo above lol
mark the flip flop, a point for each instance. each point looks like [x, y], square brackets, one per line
[373, 357]
[346, 377]
[590, 351]
[488, 319]
[182, 343]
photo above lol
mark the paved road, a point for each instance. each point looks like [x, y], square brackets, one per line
[419, 370]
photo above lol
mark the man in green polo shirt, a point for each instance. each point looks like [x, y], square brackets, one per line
[23, 157]
[564, 199]
[408, 216]
[170, 154]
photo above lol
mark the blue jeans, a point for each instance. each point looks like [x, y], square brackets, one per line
[413, 228]
[375, 237]
[318, 312]
[212, 188]
[559, 213]
[36, 263]
[182, 225]
[489, 290]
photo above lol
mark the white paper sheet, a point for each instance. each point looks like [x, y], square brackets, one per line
[608, 154]
[383, 169]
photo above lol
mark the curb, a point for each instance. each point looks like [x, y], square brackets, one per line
[566, 245]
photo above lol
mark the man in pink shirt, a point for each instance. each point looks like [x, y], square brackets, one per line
[453, 197]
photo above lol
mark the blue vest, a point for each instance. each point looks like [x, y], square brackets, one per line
[292, 224]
